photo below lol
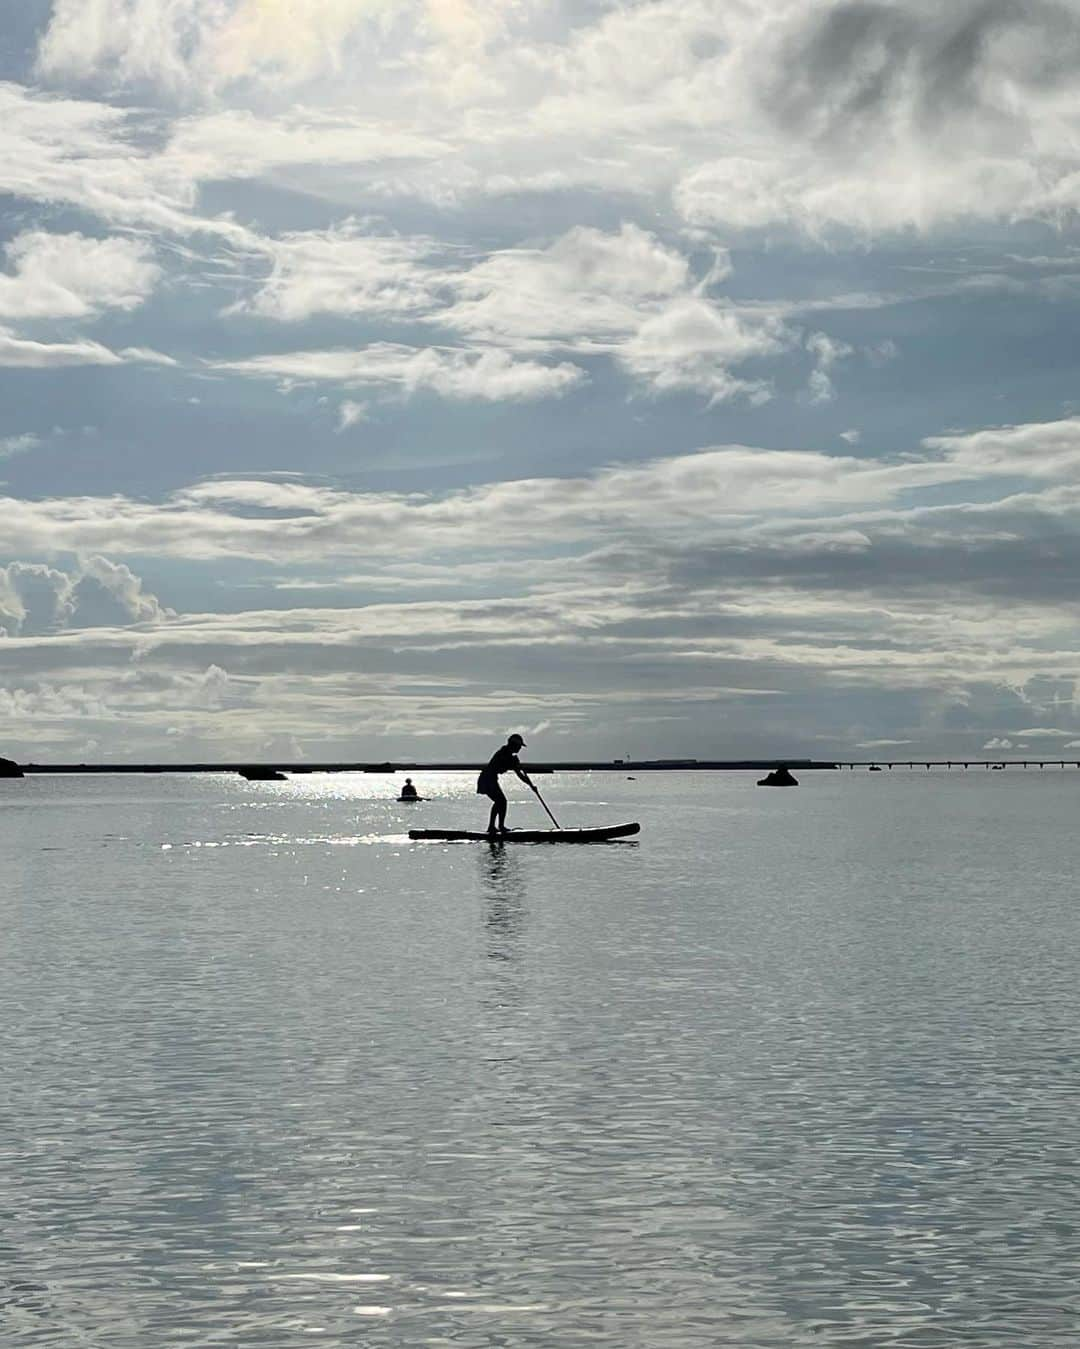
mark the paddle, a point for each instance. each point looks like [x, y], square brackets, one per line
[551, 817]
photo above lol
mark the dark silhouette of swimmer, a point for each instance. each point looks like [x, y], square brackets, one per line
[504, 760]
[409, 792]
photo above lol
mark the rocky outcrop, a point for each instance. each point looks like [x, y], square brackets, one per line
[263, 775]
[10, 769]
[779, 777]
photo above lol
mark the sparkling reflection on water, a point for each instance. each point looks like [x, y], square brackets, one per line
[797, 1068]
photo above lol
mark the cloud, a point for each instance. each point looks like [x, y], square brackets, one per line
[13, 445]
[1036, 450]
[804, 577]
[623, 293]
[77, 153]
[895, 115]
[23, 353]
[343, 271]
[36, 598]
[786, 513]
[999, 742]
[200, 47]
[701, 490]
[147, 356]
[691, 344]
[454, 373]
[823, 115]
[826, 351]
[350, 413]
[70, 276]
[586, 288]
[239, 143]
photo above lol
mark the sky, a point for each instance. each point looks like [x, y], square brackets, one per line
[690, 378]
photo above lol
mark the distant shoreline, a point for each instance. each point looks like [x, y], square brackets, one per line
[567, 766]
[561, 766]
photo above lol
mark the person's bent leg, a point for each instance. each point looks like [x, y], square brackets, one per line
[500, 810]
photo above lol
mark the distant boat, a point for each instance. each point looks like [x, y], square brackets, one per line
[873, 768]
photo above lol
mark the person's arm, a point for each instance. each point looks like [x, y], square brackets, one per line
[523, 775]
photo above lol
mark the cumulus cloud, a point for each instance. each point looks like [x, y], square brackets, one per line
[816, 115]
[896, 115]
[201, 46]
[692, 344]
[70, 276]
[37, 598]
[344, 271]
[588, 287]
[622, 293]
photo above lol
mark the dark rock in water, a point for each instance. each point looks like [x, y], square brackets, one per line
[10, 769]
[263, 775]
[779, 777]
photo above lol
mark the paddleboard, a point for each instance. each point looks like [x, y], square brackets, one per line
[601, 835]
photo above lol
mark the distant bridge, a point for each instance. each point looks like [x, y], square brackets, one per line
[959, 763]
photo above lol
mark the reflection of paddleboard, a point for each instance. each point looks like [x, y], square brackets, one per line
[601, 835]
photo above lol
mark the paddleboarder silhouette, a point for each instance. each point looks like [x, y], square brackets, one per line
[504, 760]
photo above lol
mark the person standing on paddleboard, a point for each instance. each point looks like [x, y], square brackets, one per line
[504, 760]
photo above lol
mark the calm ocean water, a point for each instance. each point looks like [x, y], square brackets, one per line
[796, 1068]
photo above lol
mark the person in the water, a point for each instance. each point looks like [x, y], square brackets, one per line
[504, 760]
[409, 792]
